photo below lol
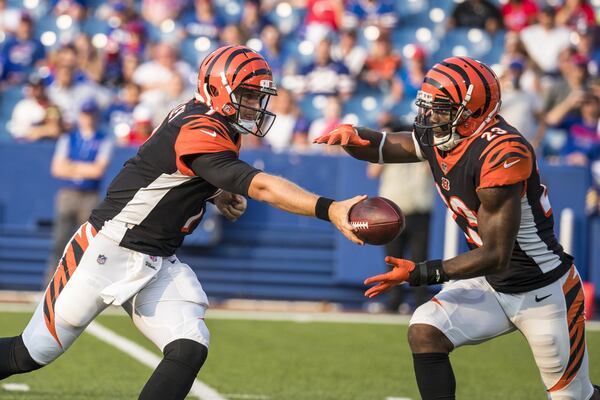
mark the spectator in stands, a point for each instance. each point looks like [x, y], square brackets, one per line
[177, 91]
[68, 95]
[157, 11]
[203, 22]
[290, 129]
[34, 117]
[332, 117]
[586, 48]
[22, 53]
[120, 113]
[515, 50]
[554, 39]
[80, 161]
[252, 21]
[379, 13]
[349, 52]
[415, 197]
[521, 107]
[381, 64]
[325, 76]
[89, 60]
[576, 14]
[231, 35]
[274, 52]
[407, 79]
[481, 14]
[567, 93]
[141, 129]
[583, 138]
[322, 18]
[65, 56]
[517, 14]
[129, 64]
[155, 76]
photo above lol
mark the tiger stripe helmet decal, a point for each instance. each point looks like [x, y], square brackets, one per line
[228, 69]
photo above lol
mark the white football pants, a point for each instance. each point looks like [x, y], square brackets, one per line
[551, 318]
[162, 295]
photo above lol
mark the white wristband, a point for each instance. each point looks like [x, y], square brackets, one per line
[383, 135]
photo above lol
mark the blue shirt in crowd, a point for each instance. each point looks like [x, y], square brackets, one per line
[74, 147]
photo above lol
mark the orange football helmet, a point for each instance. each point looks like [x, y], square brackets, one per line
[458, 99]
[237, 83]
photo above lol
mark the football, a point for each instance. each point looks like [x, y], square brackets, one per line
[377, 220]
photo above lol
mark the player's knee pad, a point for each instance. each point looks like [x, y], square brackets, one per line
[15, 358]
[187, 352]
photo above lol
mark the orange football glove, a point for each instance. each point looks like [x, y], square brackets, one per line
[398, 275]
[344, 135]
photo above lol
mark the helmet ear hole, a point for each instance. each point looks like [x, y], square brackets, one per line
[213, 90]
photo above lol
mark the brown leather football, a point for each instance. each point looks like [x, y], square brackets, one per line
[377, 220]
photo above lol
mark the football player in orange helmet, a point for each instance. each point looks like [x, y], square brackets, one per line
[516, 275]
[125, 254]
[238, 84]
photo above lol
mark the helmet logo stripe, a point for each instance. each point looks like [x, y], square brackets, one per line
[488, 93]
[232, 56]
[242, 65]
[456, 86]
[439, 86]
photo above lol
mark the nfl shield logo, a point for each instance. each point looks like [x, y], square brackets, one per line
[153, 258]
[445, 184]
[444, 167]
[101, 259]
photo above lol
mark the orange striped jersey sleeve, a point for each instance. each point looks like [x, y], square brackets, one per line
[202, 135]
[505, 162]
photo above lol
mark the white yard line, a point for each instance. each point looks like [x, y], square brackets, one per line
[15, 387]
[146, 357]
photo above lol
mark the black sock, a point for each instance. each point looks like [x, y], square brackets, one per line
[174, 376]
[434, 376]
[14, 357]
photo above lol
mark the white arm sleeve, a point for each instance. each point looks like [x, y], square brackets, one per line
[417, 147]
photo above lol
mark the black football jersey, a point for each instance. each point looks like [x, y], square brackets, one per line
[497, 157]
[157, 199]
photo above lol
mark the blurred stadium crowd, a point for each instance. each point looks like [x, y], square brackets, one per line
[359, 61]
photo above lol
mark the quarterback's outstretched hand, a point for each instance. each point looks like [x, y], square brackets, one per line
[338, 215]
[344, 135]
[399, 274]
[231, 205]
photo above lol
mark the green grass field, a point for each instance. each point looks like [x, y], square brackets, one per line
[289, 360]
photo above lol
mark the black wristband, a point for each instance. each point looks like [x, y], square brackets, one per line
[428, 273]
[322, 208]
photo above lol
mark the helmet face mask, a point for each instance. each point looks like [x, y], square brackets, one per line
[251, 116]
[436, 121]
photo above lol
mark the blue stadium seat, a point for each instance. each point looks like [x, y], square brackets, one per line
[93, 25]
[310, 110]
[474, 43]
[411, 8]
[230, 11]
[291, 45]
[288, 24]
[10, 96]
[46, 23]
[366, 106]
[424, 37]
